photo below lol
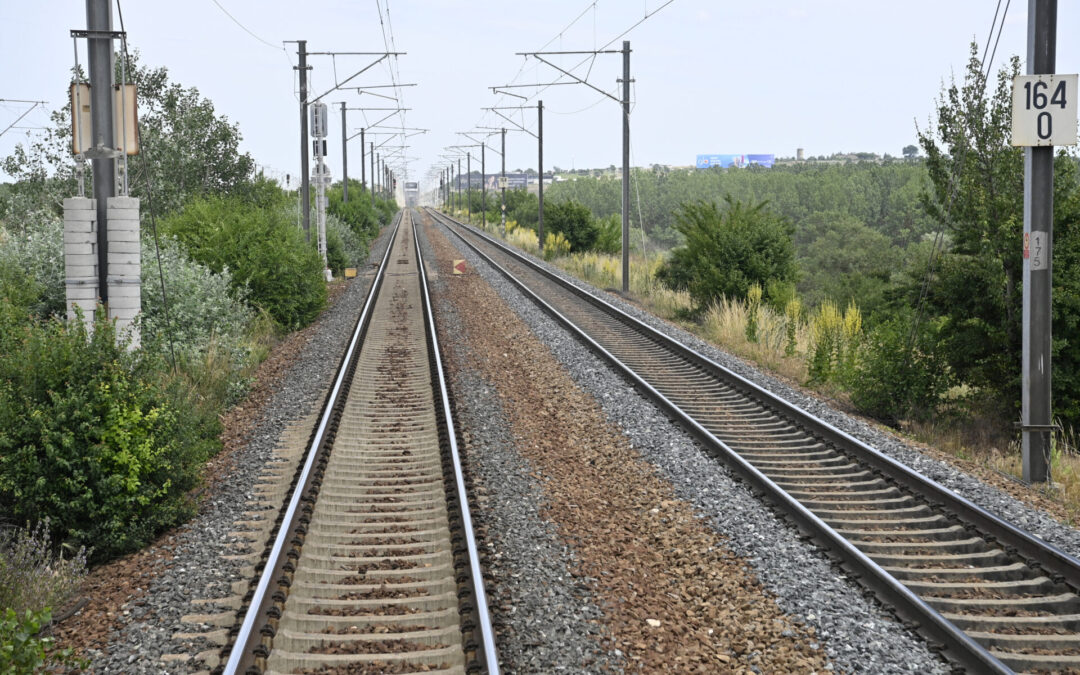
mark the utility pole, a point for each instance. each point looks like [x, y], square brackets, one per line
[100, 51]
[626, 168]
[459, 184]
[305, 196]
[502, 187]
[540, 145]
[372, 174]
[345, 157]
[1037, 424]
[483, 186]
[363, 177]
[468, 182]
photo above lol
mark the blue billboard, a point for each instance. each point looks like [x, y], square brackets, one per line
[737, 161]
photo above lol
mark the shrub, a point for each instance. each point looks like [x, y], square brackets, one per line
[22, 651]
[835, 341]
[262, 250]
[891, 380]
[32, 575]
[555, 246]
[38, 253]
[92, 438]
[344, 247]
[727, 251]
[608, 235]
[574, 221]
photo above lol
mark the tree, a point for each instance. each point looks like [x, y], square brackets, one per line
[574, 220]
[911, 151]
[976, 193]
[726, 251]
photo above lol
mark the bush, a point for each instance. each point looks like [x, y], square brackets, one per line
[263, 251]
[344, 247]
[608, 235]
[32, 266]
[32, 576]
[727, 251]
[574, 221]
[92, 438]
[555, 246]
[891, 381]
[22, 651]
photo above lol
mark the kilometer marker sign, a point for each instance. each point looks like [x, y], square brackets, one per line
[1044, 110]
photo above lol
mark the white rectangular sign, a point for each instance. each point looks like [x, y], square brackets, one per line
[1044, 110]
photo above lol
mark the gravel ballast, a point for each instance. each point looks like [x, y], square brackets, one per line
[197, 569]
[857, 634]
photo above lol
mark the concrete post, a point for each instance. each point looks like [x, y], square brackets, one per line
[80, 258]
[125, 265]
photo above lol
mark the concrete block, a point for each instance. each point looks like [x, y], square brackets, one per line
[123, 203]
[124, 307]
[80, 216]
[81, 293]
[85, 248]
[79, 237]
[126, 234]
[76, 225]
[79, 203]
[81, 259]
[119, 258]
[122, 216]
[81, 271]
[129, 272]
[124, 247]
[124, 290]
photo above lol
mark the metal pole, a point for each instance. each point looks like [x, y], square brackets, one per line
[503, 188]
[378, 163]
[483, 186]
[99, 18]
[626, 167]
[459, 184]
[1038, 228]
[372, 155]
[468, 182]
[344, 158]
[540, 144]
[363, 173]
[305, 185]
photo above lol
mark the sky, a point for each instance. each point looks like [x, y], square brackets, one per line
[710, 77]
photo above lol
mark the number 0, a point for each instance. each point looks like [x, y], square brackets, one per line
[1044, 125]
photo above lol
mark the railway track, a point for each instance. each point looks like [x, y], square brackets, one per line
[374, 568]
[990, 596]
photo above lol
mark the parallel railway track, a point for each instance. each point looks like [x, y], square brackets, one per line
[993, 597]
[374, 568]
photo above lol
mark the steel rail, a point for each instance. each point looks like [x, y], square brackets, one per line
[491, 660]
[248, 638]
[935, 627]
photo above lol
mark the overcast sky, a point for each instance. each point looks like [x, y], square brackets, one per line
[710, 77]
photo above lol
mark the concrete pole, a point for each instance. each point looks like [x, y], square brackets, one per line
[305, 178]
[626, 168]
[459, 184]
[372, 155]
[468, 182]
[1038, 229]
[100, 50]
[344, 158]
[363, 173]
[483, 186]
[540, 168]
[503, 188]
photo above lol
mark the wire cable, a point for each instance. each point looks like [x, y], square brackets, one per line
[245, 28]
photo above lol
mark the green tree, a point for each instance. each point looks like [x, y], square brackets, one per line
[911, 151]
[574, 220]
[728, 250]
[976, 193]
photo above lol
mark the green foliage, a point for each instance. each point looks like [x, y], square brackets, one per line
[728, 250]
[574, 221]
[91, 438]
[555, 246]
[976, 292]
[23, 650]
[894, 382]
[344, 247]
[32, 575]
[32, 265]
[608, 235]
[263, 251]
